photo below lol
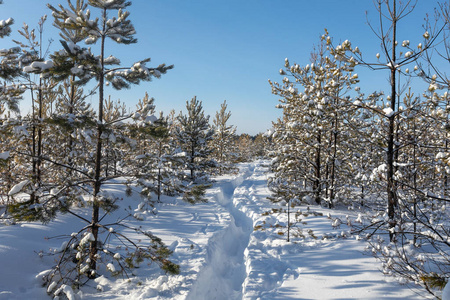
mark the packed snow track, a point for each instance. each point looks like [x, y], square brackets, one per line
[225, 271]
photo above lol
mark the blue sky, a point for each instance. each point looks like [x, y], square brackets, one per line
[228, 49]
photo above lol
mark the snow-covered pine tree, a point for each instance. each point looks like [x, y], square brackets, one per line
[223, 141]
[173, 173]
[421, 166]
[32, 61]
[52, 121]
[10, 94]
[113, 113]
[422, 169]
[394, 56]
[262, 144]
[193, 135]
[79, 65]
[410, 131]
[5, 26]
[155, 166]
[143, 124]
[244, 147]
[170, 175]
[313, 128]
[365, 152]
[120, 30]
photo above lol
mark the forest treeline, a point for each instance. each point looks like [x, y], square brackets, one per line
[383, 153]
[60, 156]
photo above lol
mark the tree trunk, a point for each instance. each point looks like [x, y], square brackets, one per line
[159, 171]
[317, 183]
[39, 141]
[415, 184]
[33, 146]
[192, 161]
[93, 249]
[391, 188]
[334, 137]
[289, 221]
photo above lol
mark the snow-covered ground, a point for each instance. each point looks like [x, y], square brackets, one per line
[233, 247]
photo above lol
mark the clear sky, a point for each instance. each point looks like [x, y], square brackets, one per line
[228, 49]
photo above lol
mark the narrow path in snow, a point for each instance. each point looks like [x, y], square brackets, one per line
[225, 271]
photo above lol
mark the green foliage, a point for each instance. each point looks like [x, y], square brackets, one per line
[27, 211]
[196, 193]
[223, 141]
[10, 69]
[77, 149]
[73, 266]
[193, 135]
[170, 267]
[434, 281]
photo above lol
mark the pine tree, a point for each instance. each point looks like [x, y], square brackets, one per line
[10, 94]
[406, 128]
[120, 30]
[244, 144]
[5, 26]
[94, 139]
[40, 88]
[9, 69]
[313, 128]
[223, 140]
[193, 136]
[156, 165]
[391, 13]
[262, 144]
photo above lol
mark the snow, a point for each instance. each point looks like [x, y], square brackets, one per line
[18, 187]
[77, 70]
[5, 22]
[38, 66]
[228, 248]
[111, 60]
[4, 155]
[389, 64]
[151, 119]
[87, 238]
[446, 292]
[388, 112]
[67, 290]
[111, 267]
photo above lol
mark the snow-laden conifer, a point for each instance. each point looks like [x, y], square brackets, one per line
[224, 140]
[193, 135]
[10, 93]
[99, 148]
[312, 135]
[158, 167]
